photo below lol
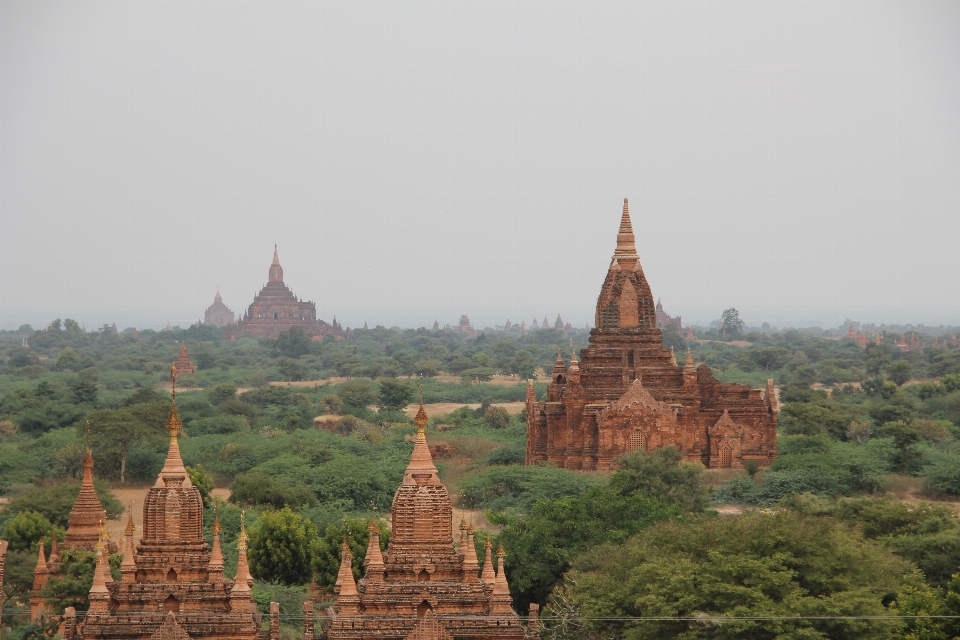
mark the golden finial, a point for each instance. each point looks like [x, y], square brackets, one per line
[130, 526]
[215, 529]
[500, 552]
[103, 531]
[242, 544]
[463, 524]
[99, 547]
[488, 544]
[174, 426]
[373, 528]
[470, 529]
[87, 458]
[345, 547]
[421, 419]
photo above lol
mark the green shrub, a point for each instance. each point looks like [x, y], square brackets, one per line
[25, 530]
[217, 425]
[280, 548]
[943, 475]
[518, 488]
[256, 488]
[507, 454]
[54, 502]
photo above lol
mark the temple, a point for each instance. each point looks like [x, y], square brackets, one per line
[172, 584]
[85, 529]
[664, 318]
[183, 363]
[276, 309]
[218, 314]
[627, 392]
[423, 588]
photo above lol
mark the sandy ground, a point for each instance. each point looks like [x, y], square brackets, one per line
[440, 408]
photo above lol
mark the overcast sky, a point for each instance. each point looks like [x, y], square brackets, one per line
[419, 160]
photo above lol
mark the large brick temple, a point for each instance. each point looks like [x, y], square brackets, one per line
[423, 588]
[276, 309]
[627, 392]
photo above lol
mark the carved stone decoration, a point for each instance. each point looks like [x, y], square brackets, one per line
[726, 438]
[428, 629]
[636, 411]
[170, 630]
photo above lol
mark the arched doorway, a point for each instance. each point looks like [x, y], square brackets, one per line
[422, 608]
[171, 604]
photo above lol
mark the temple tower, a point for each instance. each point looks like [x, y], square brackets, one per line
[422, 585]
[174, 586]
[628, 393]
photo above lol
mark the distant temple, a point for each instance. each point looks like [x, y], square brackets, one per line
[628, 393]
[218, 314]
[466, 327]
[423, 588]
[276, 309]
[183, 363]
[663, 318]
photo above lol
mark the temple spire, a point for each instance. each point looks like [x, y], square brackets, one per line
[99, 595]
[487, 575]
[216, 554]
[470, 564]
[128, 563]
[173, 466]
[374, 558]
[626, 241]
[688, 365]
[241, 584]
[276, 257]
[421, 462]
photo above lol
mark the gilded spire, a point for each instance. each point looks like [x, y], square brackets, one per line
[173, 465]
[87, 457]
[421, 462]
[242, 539]
[215, 529]
[216, 553]
[130, 526]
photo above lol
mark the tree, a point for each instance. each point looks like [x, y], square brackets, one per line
[222, 392]
[72, 326]
[72, 585]
[84, 392]
[327, 550]
[395, 395]
[25, 530]
[732, 324]
[280, 547]
[497, 417]
[900, 371]
[290, 368]
[114, 431]
[767, 358]
[789, 567]
[542, 545]
[356, 394]
[293, 343]
[68, 360]
[662, 474]
[56, 325]
[202, 481]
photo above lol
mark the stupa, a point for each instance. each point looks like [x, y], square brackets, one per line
[422, 588]
[627, 392]
[183, 363]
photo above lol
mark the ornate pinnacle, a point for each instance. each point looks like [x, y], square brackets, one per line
[463, 524]
[421, 419]
[488, 544]
[130, 526]
[500, 552]
[345, 550]
[87, 457]
[242, 539]
[373, 528]
[215, 529]
[174, 426]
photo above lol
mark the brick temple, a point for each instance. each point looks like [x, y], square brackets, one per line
[85, 529]
[172, 584]
[276, 309]
[423, 588]
[627, 392]
[183, 363]
[218, 314]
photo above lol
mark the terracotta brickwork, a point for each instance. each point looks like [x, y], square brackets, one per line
[172, 584]
[627, 391]
[276, 309]
[218, 314]
[183, 363]
[664, 318]
[423, 588]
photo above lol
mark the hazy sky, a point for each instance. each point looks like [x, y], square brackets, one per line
[413, 160]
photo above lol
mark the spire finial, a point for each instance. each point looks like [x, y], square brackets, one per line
[242, 539]
[131, 528]
[215, 529]
[626, 241]
[174, 426]
[500, 552]
[421, 420]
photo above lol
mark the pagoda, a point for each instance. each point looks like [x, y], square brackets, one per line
[172, 584]
[218, 314]
[423, 588]
[627, 392]
[276, 309]
[183, 363]
[85, 529]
